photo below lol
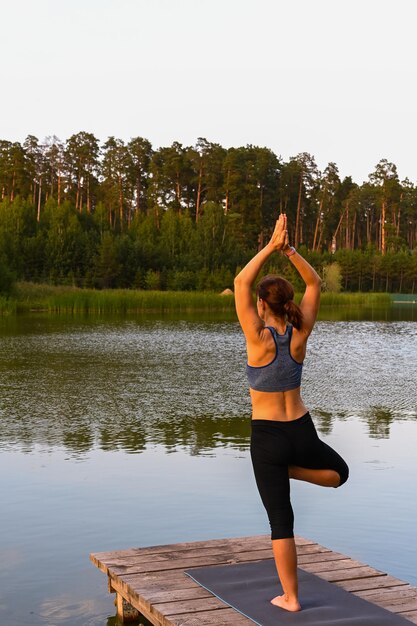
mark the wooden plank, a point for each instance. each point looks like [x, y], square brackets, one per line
[261, 540]
[190, 562]
[135, 564]
[170, 557]
[224, 617]
[189, 606]
[138, 558]
[331, 565]
[168, 595]
[312, 549]
[169, 578]
[235, 542]
[400, 604]
[207, 548]
[410, 615]
[348, 574]
[400, 599]
[371, 582]
[245, 544]
[404, 591]
[128, 565]
[145, 583]
[319, 557]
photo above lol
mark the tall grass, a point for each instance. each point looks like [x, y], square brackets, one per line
[72, 299]
[40, 297]
[8, 305]
[355, 299]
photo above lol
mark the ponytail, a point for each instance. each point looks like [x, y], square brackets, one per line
[278, 293]
[294, 314]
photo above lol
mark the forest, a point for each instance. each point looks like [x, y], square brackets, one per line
[123, 214]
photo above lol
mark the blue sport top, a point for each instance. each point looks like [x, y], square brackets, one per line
[283, 372]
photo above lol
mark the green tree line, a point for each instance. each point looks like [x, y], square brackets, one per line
[123, 214]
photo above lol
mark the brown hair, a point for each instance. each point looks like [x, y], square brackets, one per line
[278, 293]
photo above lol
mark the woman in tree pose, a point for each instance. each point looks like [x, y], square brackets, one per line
[284, 441]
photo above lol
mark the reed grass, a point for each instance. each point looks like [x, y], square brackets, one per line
[8, 306]
[41, 297]
[72, 299]
[329, 298]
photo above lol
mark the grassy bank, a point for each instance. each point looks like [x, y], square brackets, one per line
[355, 299]
[37, 297]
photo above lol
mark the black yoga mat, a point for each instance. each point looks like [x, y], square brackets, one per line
[249, 587]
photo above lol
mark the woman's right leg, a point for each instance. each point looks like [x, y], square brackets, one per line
[274, 489]
[285, 555]
[270, 456]
[321, 477]
[315, 461]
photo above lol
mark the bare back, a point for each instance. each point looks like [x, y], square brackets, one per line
[260, 345]
[278, 405]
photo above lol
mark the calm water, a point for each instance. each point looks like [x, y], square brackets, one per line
[120, 433]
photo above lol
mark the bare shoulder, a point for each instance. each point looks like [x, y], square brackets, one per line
[299, 343]
[261, 337]
[300, 335]
[260, 348]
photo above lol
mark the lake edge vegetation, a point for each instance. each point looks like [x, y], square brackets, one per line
[31, 297]
[123, 215]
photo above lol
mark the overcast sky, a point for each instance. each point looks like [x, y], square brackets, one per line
[336, 78]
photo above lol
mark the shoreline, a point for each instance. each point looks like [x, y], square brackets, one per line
[41, 298]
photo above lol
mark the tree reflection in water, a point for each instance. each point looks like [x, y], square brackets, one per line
[131, 384]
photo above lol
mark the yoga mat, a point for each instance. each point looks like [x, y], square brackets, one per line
[249, 587]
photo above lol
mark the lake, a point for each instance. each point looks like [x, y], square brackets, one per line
[121, 432]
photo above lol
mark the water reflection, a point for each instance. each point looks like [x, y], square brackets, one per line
[379, 420]
[65, 609]
[394, 313]
[127, 385]
[324, 421]
[199, 435]
[39, 321]
[158, 412]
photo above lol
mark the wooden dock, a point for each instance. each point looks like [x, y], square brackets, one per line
[151, 581]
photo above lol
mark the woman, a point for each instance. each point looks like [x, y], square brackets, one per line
[284, 441]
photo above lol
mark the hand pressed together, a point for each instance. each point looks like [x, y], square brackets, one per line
[279, 240]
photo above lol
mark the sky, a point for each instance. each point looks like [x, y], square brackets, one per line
[335, 78]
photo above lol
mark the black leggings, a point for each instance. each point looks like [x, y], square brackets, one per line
[274, 446]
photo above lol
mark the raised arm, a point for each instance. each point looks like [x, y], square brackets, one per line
[246, 310]
[310, 302]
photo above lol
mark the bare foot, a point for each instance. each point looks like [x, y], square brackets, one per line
[284, 603]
